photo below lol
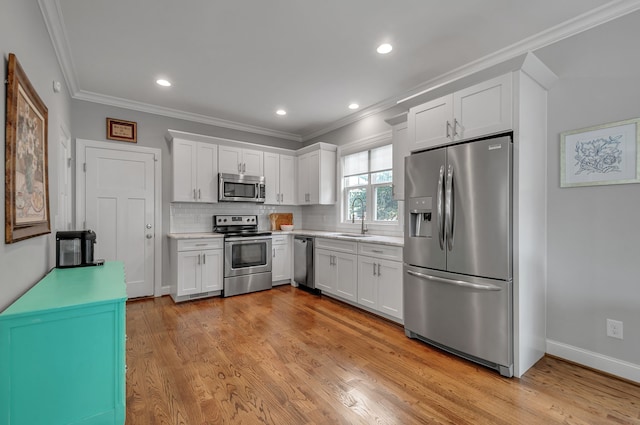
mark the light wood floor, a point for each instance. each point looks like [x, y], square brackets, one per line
[288, 357]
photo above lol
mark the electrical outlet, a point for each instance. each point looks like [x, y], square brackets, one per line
[614, 328]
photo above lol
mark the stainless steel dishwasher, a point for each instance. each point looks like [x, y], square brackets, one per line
[303, 261]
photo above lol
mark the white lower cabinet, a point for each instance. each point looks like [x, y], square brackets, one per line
[336, 268]
[281, 261]
[380, 285]
[367, 274]
[196, 268]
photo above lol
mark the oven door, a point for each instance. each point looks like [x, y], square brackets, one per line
[247, 255]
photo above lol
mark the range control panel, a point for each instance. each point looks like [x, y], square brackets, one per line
[230, 220]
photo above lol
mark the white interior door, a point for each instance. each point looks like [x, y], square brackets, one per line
[119, 207]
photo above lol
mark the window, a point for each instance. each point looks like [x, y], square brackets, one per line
[368, 180]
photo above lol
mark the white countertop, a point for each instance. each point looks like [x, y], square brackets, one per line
[378, 239]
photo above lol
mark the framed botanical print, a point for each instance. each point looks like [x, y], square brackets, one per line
[26, 168]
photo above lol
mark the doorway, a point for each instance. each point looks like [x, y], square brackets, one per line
[119, 197]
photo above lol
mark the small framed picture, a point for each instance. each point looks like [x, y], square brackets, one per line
[601, 155]
[124, 131]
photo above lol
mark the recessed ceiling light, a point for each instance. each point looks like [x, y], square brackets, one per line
[281, 112]
[163, 83]
[354, 106]
[385, 48]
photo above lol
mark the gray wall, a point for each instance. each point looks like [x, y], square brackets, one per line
[594, 232]
[23, 32]
[89, 122]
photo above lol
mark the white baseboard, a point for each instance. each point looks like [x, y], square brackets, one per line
[164, 290]
[594, 360]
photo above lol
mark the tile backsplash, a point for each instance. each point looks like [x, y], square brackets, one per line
[191, 217]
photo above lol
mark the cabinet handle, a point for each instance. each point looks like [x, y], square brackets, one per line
[379, 274]
[377, 251]
[448, 128]
[244, 167]
[204, 260]
[374, 269]
[198, 259]
[455, 125]
[240, 166]
[199, 194]
[274, 253]
[201, 244]
[194, 194]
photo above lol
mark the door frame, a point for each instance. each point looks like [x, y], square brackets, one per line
[81, 158]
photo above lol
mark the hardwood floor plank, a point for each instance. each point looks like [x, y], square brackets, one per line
[285, 356]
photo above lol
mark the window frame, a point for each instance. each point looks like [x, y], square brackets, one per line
[344, 217]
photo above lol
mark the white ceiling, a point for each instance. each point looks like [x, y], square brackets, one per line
[234, 62]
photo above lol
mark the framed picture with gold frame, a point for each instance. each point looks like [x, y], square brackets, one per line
[124, 131]
[26, 161]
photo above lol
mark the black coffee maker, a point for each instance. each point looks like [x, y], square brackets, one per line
[75, 249]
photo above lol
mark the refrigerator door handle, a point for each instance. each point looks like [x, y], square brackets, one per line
[440, 207]
[449, 208]
[461, 283]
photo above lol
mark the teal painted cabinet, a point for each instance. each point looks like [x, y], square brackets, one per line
[62, 350]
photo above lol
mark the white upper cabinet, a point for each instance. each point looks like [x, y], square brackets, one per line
[317, 175]
[279, 174]
[233, 160]
[476, 111]
[195, 171]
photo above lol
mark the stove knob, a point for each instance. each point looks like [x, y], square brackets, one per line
[225, 220]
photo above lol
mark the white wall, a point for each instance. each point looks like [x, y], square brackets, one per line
[594, 232]
[23, 32]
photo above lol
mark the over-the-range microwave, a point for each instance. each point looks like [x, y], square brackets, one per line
[240, 188]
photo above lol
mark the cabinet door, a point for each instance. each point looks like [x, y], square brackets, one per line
[287, 180]
[303, 179]
[367, 282]
[325, 271]
[207, 172]
[212, 268]
[252, 162]
[430, 124]
[390, 288]
[483, 109]
[347, 276]
[189, 272]
[184, 170]
[400, 150]
[313, 177]
[281, 263]
[229, 160]
[272, 178]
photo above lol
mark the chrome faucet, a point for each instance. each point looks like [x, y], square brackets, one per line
[363, 229]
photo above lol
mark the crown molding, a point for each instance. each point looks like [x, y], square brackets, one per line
[175, 113]
[52, 15]
[53, 19]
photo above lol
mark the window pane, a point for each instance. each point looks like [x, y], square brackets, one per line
[359, 180]
[356, 163]
[386, 206]
[381, 158]
[356, 203]
[382, 177]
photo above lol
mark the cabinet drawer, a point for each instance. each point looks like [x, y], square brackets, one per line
[337, 245]
[380, 251]
[199, 244]
[279, 239]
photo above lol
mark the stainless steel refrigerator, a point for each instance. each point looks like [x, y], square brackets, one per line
[458, 250]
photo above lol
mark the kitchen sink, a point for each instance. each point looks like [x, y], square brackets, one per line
[352, 235]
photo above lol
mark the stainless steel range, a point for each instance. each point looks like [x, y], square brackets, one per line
[247, 254]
